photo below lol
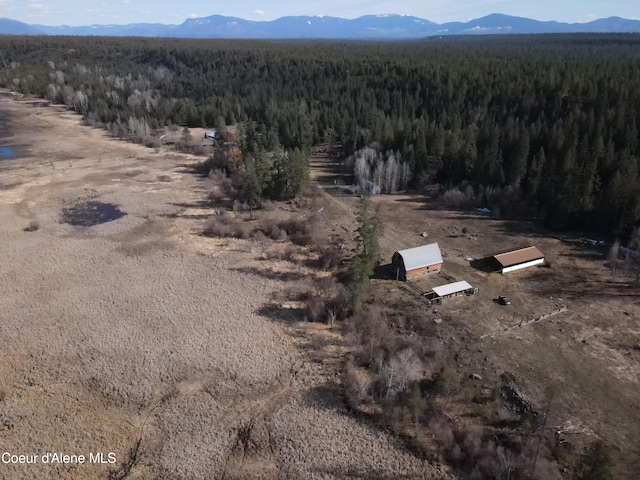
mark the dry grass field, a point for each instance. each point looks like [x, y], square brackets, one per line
[140, 336]
[585, 361]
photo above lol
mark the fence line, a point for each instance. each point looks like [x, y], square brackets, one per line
[524, 323]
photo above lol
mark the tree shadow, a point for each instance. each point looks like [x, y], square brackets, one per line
[201, 205]
[362, 473]
[548, 283]
[427, 200]
[280, 314]
[384, 272]
[195, 168]
[272, 274]
[593, 256]
[328, 396]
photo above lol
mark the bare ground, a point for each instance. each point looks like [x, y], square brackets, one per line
[140, 331]
[586, 361]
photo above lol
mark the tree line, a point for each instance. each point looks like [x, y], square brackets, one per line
[551, 119]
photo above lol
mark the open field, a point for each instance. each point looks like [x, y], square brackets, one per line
[141, 337]
[585, 361]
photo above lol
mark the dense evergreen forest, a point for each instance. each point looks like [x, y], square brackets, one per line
[538, 126]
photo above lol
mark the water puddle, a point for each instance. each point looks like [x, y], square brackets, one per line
[88, 214]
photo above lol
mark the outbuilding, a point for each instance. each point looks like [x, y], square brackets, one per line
[212, 135]
[454, 289]
[519, 259]
[372, 188]
[417, 262]
[450, 290]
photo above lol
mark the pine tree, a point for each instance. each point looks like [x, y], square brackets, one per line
[596, 463]
[363, 264]
[251, 185]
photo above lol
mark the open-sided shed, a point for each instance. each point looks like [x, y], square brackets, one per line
[453, 289]
[519, 259]
[450, 290]
[417, 262]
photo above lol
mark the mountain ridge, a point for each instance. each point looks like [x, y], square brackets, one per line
[389, 27]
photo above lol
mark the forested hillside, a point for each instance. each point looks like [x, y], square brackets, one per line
[541, 126]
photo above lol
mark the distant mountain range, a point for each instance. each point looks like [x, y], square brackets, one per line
[388, 27]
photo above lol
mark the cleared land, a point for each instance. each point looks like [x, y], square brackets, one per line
[586, 361]
[140, 332]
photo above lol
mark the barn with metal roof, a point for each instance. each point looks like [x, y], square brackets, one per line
[519, 259]
[417, 262]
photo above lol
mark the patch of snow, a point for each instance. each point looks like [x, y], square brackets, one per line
[487, 29]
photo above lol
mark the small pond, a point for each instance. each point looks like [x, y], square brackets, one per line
[88, 214]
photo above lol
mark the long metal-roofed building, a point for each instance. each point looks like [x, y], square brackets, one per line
[450, 290]
[417, 262]
[519, 259]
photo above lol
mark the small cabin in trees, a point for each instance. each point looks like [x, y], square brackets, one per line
[417, 262]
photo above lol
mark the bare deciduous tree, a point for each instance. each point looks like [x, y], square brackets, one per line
[387, 171]
[402, 369]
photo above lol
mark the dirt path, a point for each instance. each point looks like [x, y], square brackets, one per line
[392, 237]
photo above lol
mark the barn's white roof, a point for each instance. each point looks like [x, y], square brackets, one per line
[419, 257]
[450, 289]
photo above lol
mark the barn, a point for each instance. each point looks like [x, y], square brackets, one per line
[417, 262]
[519, 259]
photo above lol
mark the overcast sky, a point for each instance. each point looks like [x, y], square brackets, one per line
[85, 12]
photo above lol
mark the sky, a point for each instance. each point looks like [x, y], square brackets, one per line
[86, 12]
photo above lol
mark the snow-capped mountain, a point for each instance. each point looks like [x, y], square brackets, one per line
[389, 27]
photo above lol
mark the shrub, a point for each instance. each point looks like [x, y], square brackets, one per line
[329, 259]
[560, 453]
[152, 142]
[596, 462]
[258, 237]
[298, 231]
[316, 309]
[290, 254]
[217, 226]
[274, 232]
[298, 292]
[242, 231]
[454, 196]
[358, 385]
[32, 227]
[223, 227]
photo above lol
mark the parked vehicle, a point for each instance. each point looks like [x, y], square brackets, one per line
[502, 300]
